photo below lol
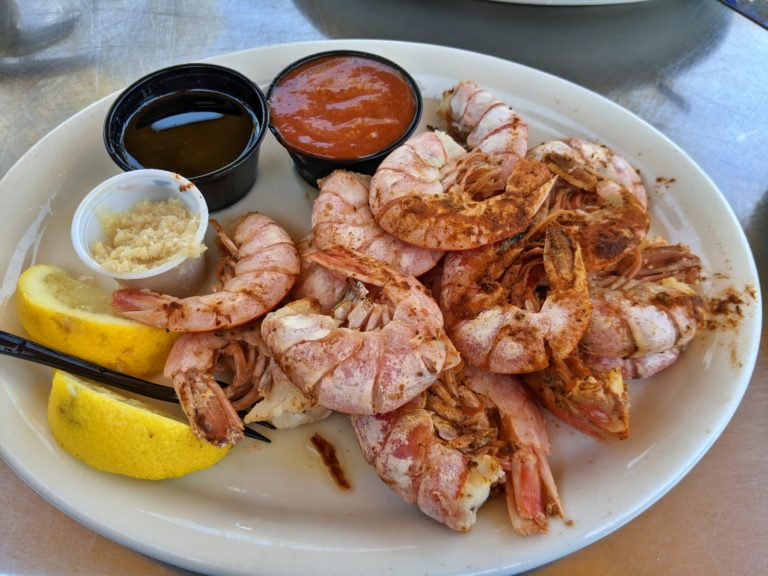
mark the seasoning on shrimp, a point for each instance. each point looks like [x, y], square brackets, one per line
[598, 193]
[645, 315]
[591, 400]
[147, 235]
[493, 304]
[433, 193]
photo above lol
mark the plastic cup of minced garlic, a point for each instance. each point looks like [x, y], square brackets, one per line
[145, 229]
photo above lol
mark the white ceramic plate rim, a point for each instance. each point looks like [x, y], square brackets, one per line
[277, 539]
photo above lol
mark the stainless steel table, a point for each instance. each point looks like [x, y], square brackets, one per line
[695, 69]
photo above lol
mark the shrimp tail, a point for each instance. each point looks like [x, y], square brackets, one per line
[530, 497]
[190, 366]
[142, 305]
[210, 413]
[530, 488]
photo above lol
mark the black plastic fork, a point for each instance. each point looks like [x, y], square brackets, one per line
[18, 347]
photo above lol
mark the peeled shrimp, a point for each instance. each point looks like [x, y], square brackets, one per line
[341, 217]
[609, 218]
[491, 299]
[433, 193]
[445, 450]
[375, 353]
[258, 267]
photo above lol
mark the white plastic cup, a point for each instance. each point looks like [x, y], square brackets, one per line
[180, 276]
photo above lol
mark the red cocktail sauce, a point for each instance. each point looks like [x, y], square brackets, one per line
[342, 107]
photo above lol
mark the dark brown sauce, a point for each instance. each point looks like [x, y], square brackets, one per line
[328, 455]
[192, 132]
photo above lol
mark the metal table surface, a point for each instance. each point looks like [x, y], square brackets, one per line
[696, 70]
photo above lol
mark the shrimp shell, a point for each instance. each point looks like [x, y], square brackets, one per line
[476, 117]
[494, 334]
[259, 267]
[341, 217]
[190, 366]
[316, 282]
[648, 318]
[353, 370]
[444, 450]
[589, 399]
[423, 194]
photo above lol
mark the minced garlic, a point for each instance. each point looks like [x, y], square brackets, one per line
[146, 236]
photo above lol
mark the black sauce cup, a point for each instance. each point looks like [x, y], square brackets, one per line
[312, 167]
[225, 185]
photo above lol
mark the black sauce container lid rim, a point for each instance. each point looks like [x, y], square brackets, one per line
[119, 154]
[365, 55]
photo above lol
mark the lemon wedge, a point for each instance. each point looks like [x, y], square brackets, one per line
[77, 317]
[117, 434]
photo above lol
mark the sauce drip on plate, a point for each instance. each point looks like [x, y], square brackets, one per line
[342, 107]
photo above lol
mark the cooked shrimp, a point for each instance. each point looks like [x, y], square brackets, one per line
[257, 386]
[648, 318]
[258, 267]
[446, 449]
[425, 194]
[606, 166]
[491, 299]
[530, 487]
[375, 353]
[433, 193]
[476, 117]
[590, 400]
[341, 217]
[324, 286]
[653, 260]
[646, 311]
[610, 220]
[635, 367]
[190, 366]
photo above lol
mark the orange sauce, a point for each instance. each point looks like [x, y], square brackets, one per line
[342, 107]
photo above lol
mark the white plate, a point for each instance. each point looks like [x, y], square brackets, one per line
[273, 509]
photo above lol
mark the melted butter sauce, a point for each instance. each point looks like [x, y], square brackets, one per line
[175, 132]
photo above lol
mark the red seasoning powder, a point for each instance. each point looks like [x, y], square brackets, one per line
[342, 107]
